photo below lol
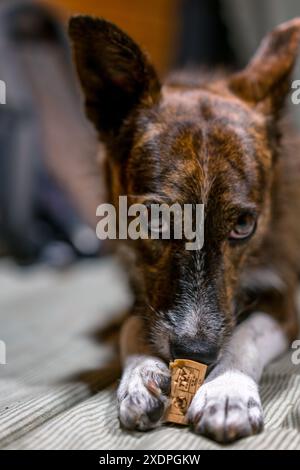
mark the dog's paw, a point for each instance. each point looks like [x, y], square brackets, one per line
[227, 408]
[143, 393]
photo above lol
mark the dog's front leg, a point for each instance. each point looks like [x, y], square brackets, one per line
[228, 406]
[145, 383]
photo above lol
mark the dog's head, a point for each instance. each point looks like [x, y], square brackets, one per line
[213, 142]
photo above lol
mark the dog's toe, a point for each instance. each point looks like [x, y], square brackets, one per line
[143, 395]
[227, 408]
[140, 411]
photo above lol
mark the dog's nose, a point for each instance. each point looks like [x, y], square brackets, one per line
[195, 350]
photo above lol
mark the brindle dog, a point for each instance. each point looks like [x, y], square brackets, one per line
[217, 140]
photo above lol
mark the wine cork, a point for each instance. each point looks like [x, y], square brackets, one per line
[186, 376]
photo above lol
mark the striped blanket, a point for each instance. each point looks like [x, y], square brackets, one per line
[57, 389]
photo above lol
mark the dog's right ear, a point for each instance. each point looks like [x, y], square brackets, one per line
[265, 81]
[115, 74]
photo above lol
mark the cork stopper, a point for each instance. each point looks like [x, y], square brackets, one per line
[186, 377]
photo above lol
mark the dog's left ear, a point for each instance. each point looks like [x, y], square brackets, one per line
[265, 81]
[114, 73]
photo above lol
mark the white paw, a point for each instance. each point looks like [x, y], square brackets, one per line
[227, 408]
[143, 393]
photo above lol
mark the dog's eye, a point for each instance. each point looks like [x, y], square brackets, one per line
[245, 227]
[156, 222]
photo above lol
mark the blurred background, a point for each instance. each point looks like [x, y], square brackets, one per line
[50, 176]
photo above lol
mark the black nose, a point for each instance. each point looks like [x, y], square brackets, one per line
[196, 350]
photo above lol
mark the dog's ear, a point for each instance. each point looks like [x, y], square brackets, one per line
[114, 73]
[266, 79]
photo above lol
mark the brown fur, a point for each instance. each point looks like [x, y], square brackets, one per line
[220, 142]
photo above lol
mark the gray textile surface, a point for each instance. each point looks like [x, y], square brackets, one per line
[57, 390]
